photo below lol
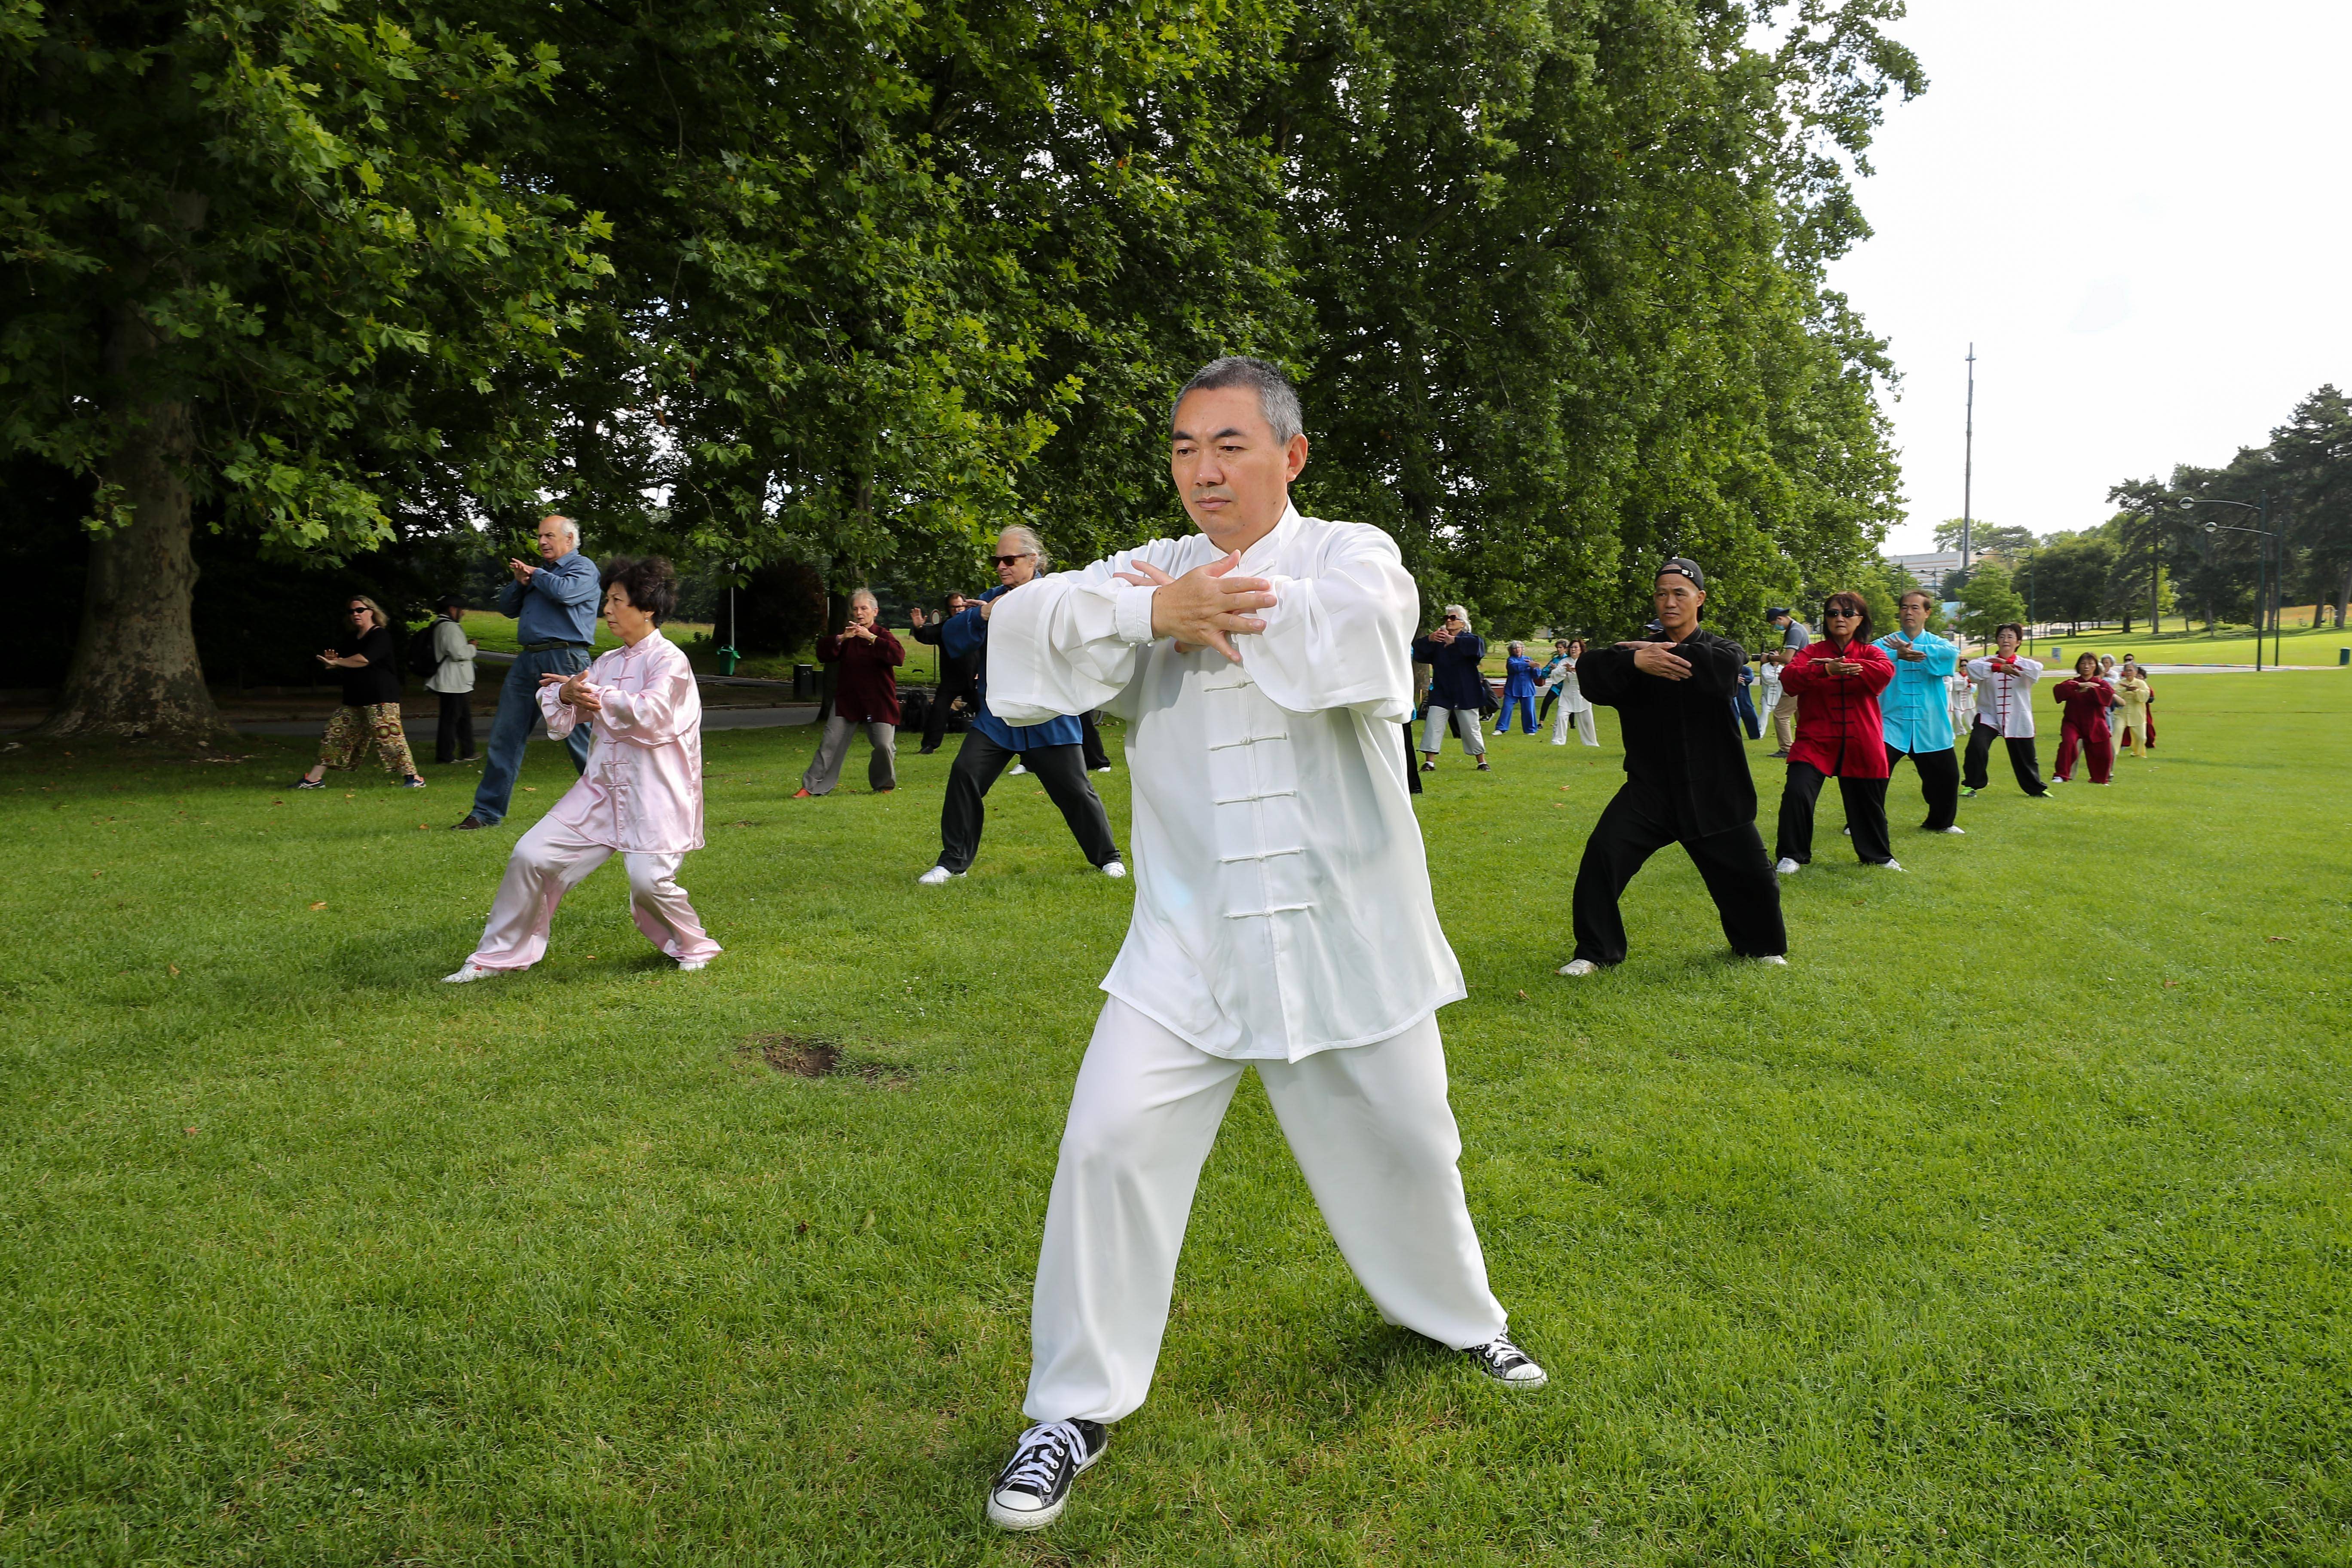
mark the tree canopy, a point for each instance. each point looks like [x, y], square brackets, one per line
[850, 287]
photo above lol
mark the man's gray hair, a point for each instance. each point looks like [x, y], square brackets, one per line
[1027, 537]
[866, 594]
[570, 527]
[1276, 398]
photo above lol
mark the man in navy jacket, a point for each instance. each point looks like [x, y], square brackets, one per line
[554, 604]
[1053, 751]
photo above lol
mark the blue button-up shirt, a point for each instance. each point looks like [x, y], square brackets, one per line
[1916, 706]
[966, 633]
[559, 604]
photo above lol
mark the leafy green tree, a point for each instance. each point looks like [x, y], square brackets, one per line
[1988, 602]
[2007, 540]
[2314, 453]
[2067, 579]
[264, 263]
[1565, 265]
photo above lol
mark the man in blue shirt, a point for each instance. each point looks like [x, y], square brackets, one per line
[554, 606]
[1053, 751]
[1918, 712]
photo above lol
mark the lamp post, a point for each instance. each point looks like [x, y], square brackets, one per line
[2265, 592]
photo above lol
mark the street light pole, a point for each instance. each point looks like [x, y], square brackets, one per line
[1968, 461]
[2266, 579]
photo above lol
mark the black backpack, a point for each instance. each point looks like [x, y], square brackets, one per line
[423, 662]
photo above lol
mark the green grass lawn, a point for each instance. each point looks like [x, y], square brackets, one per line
[2010, 1223]
[2231, 645]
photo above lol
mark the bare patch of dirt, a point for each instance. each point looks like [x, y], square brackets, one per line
[795, 1056]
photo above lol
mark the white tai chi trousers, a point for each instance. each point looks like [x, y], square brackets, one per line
[1370, 1127]
[551, 860]
[1583, 718]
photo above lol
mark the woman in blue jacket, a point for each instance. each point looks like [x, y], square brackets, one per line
[1456, 689]
[1519, 687]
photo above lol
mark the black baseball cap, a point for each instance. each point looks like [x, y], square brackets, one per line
[1684, 566]
[1775, 612]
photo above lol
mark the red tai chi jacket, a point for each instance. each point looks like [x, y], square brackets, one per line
[2085, 704]
[1839, 730]
[868, 688]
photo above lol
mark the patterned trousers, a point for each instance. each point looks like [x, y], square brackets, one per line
[350, 730]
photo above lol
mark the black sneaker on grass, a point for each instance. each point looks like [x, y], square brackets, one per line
[1030, 1489]
[1508, 1365]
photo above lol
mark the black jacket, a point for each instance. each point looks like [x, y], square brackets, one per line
[1682, 737]
[1454, 680]
[956, 671]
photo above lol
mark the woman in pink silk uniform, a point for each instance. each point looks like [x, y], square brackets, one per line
[641, 795]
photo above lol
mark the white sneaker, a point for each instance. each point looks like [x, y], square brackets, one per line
[1578, 968]
[1035, 1482]
[1890, 865]
[1780, 958]
[1113, 870]
[1104, 768]
[1508, 1365]
[1020, 767]
[1847, 831]
[469, 973]
[689, 965]
[1956, 831]
[1787, 867]
[935, 876]
[2056, 780]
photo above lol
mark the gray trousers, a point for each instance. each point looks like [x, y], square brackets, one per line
[1464, 721]
[881, 768]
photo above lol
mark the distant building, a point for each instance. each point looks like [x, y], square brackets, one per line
[1930, 569]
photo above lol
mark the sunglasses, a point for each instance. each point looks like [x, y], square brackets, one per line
[1842, 615]
[358, 609]
[1009, 560]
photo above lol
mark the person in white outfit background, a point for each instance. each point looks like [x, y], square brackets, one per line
[1283, 921]
[640, 796]
[1573, 707]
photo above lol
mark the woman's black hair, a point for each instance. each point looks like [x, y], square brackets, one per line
[1853, 601]
[2010, 626]
[2093, 657]
[651, 581]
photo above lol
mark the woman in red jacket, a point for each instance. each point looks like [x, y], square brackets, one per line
[865, 693]
[2084, 702]
[1840, 735]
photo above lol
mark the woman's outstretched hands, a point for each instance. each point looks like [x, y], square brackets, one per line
[1202, 606]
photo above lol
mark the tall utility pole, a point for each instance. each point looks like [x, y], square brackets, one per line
[1968, 461]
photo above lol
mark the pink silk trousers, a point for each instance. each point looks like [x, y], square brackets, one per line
[551, 859]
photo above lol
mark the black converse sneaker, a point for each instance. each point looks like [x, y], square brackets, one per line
[1030, 1489]
[1506, 1363]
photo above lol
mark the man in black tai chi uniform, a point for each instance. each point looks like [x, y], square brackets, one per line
[1686, 781]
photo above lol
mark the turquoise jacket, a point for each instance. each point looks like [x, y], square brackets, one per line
[1916, 706]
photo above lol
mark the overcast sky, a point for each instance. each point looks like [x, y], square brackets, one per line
[2140, 214]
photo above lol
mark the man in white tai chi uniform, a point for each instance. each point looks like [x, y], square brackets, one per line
[1282, 920]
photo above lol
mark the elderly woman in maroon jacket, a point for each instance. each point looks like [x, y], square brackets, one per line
[1840, 735]
[866, 692]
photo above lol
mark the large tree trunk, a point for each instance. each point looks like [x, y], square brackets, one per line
[134, 670]
[2343, 597]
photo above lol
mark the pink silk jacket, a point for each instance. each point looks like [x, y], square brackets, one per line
[643, 790]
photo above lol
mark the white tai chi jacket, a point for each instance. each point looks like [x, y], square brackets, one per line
[1282, 901]
[642, 792]
[2005, 701]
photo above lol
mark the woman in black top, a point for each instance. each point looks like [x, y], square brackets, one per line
[370, 709]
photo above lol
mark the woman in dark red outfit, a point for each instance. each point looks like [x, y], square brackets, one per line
[865, 693]
[1840, 735]
[2084, 702]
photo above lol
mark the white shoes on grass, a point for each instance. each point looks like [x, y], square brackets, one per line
[1955, 830]
[468, 974]
[935, 876]
[1578, 968]
[1787, 867]
[1114, 869]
